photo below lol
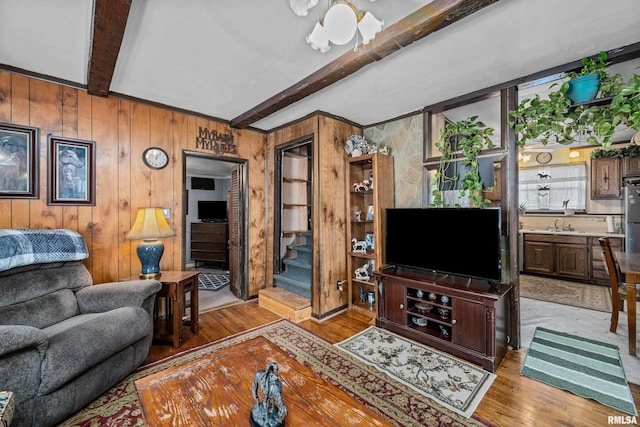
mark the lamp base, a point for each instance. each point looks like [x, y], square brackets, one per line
[150, 276]
[149, 252]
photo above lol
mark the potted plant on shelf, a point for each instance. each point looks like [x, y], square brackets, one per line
[557, 119]
[467, 137]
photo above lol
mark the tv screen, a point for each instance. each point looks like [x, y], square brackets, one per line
[460, 241]
[212, 211]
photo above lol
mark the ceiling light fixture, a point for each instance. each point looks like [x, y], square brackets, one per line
[341, 23]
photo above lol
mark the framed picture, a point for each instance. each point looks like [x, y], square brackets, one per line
[72, 173]
[19, 160]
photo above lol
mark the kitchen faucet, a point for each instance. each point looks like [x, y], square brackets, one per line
[555, 224]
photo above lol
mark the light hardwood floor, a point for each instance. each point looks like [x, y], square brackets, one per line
[512, 399]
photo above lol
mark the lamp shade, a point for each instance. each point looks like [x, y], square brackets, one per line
[319, 39]
[150, 224]
[341, 23]
[369, 26]
[301, 7]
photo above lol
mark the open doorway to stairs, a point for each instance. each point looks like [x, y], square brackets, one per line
[214, 206]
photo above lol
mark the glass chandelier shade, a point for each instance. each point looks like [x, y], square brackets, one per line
[340, 24]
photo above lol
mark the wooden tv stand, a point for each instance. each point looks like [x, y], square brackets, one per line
[464, 317]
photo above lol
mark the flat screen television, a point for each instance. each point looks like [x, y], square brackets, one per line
[212, 210]
[459, 241]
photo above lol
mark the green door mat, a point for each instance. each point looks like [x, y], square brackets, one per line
[585, 367]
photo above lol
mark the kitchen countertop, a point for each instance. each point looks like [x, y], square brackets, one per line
[571, 233]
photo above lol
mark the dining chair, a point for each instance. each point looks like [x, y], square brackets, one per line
[618, 287]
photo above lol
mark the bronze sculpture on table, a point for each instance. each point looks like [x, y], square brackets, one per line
[270, 411]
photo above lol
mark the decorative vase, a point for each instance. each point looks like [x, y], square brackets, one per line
[583, 88]
[371, 298]
[419, 293]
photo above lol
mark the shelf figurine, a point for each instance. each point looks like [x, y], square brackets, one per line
[359, 246]
[362, 273]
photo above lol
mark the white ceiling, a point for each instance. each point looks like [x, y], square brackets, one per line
[222, 59]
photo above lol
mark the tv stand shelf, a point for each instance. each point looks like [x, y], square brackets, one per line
[465, 317]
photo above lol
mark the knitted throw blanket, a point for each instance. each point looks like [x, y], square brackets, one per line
[38, 246]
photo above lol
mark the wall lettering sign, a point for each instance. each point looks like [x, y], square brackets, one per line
[219, 143]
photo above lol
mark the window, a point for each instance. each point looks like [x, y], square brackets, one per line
[553, 187]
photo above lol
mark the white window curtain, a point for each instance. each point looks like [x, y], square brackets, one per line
[553, 187]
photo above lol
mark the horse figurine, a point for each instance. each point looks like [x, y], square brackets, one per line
[270, 411]
[359, 246]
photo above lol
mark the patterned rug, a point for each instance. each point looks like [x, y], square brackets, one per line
[593, 297]
[396, 402]
[585, 367]
[212, 281]
[451, 382]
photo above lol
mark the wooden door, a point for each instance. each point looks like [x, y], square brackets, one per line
[606, 179]
[235, 233]
[469, 324]
[538, 257]
[572, 261]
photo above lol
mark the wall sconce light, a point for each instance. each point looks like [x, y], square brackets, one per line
[341, 23]
[149, 226]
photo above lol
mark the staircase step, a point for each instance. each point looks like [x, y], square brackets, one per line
[285, 303]
[298, 262]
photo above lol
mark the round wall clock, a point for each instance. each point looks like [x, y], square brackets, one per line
[155, 158]
[543, 158]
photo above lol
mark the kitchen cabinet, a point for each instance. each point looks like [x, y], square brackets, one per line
[559, 255]
[464, 317]
[606, 178]
[631, 166]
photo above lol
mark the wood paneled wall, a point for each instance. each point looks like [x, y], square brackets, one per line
[122, 129]
[329, 213]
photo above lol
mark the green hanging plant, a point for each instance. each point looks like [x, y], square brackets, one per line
[555, 119]
[469, 137]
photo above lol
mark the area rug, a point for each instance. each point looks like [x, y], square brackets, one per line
[212, 281]
[393, 401]
[593, 297]
[449, 381]
[585, 367]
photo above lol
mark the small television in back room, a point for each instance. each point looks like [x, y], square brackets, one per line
[458, 241]
[212, 210]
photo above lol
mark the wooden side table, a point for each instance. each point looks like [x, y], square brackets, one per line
[175, 286]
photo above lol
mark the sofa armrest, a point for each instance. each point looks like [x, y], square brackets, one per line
[108, 296]
[20, 337]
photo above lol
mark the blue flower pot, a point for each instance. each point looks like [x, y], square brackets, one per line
[583, 88]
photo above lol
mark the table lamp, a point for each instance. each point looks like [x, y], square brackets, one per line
[149, 226]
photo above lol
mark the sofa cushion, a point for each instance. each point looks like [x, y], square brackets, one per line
[22, 286]
[81, 342]
[43, 311]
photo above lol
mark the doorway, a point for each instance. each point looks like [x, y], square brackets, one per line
[214, 207]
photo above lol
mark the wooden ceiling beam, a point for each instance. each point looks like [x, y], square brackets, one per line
[426, 20]
[109, 22]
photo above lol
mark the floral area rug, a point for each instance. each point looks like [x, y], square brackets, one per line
[593, 297]
[451, 382]
[394, 401]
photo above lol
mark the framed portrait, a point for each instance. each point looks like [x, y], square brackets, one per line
[19, 162]
[72, 172]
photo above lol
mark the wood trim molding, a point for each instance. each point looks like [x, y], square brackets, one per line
[109, 21]
[426, 20]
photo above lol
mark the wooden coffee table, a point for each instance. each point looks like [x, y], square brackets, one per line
[215, 390]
